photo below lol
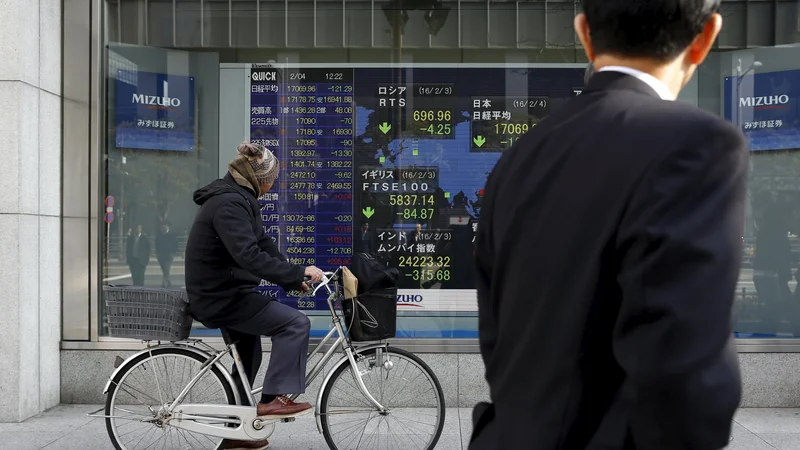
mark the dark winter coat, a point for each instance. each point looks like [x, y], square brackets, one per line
[228, 254]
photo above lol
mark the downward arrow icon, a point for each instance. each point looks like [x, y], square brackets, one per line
[368, 212]
[385, 127]
[479, 141]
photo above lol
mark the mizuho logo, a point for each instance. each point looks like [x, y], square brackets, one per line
[165, 100]
[407, 298]
[772, 100]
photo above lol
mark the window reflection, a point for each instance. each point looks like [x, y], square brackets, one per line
[152, 208]
[152, 259]
[162, 116]
[768, 297]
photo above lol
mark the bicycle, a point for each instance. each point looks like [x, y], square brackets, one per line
[225, 416]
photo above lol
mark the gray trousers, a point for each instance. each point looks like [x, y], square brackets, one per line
[289, 330]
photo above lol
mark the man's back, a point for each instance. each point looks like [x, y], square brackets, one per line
[586, 231]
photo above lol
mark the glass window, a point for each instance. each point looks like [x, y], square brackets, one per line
[384, 148]
[391, 161]
[759, 91]
[162, 143]
[386, 122]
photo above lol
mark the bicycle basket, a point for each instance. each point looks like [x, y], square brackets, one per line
[148, 314]
[374, 317]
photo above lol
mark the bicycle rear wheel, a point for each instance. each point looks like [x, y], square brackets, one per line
[150, 383]
[402, 383]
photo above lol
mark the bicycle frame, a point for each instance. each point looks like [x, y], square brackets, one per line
[341, 341]
[218, 418]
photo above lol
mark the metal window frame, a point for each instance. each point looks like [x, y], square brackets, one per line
[547, 6]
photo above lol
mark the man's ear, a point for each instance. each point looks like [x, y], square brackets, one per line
[702, 44]
[582, 30]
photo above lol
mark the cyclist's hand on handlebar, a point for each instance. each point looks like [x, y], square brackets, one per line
[314, 273]
[304, 287]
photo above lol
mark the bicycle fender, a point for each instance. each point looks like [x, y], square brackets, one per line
[342, 360]
[191, 348]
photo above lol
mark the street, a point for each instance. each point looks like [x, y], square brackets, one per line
[67, 427]
[120, 273]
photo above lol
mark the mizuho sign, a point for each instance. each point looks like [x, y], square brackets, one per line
[771, 100]
[165, 100]
[409, 298]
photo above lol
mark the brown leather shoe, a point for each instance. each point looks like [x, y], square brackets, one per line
[282, 408]
[228, 444]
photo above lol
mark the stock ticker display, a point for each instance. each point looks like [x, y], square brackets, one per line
[391, 161]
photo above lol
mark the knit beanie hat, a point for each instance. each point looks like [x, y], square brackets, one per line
[264, 163]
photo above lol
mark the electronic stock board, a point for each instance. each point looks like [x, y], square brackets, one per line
[392, 160]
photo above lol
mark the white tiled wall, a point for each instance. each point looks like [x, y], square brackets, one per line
[30, 205]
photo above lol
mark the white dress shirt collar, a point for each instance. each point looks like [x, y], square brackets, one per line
[660, 88]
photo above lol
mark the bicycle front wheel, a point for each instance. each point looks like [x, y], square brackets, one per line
[403, 384]
[140, 394]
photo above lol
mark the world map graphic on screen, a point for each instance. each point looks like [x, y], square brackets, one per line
[392, 161]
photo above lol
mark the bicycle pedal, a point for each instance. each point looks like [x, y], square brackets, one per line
[288, 419]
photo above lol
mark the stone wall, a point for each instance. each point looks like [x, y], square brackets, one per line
[769, 379]
[30, 207]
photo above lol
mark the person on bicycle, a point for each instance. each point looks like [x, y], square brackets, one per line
[228, 253]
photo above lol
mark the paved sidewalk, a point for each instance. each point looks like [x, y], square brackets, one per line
[66, 427]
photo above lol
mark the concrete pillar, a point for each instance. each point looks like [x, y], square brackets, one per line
[30, 207]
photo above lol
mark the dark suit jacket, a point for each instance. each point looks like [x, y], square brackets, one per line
[166, 245]
[140, 255]
[608, 251]
[366, 244]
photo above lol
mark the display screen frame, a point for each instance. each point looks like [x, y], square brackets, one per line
[447, 302]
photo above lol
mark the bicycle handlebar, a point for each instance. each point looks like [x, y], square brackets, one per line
[327, 277]
[325, 274]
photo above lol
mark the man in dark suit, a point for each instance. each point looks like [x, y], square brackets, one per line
[166, 247]
[608, 251]
[366, 240]
[138, 252]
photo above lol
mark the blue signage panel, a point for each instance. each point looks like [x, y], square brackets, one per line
[766, 108]
[154, 111]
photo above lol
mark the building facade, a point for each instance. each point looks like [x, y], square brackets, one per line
[386, 115]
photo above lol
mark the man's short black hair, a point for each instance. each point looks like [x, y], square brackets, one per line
[659, 29]
[587, 75]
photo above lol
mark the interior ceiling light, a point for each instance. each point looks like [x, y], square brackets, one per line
[435, 13]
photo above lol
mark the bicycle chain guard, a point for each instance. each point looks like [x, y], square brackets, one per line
[188, 415]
